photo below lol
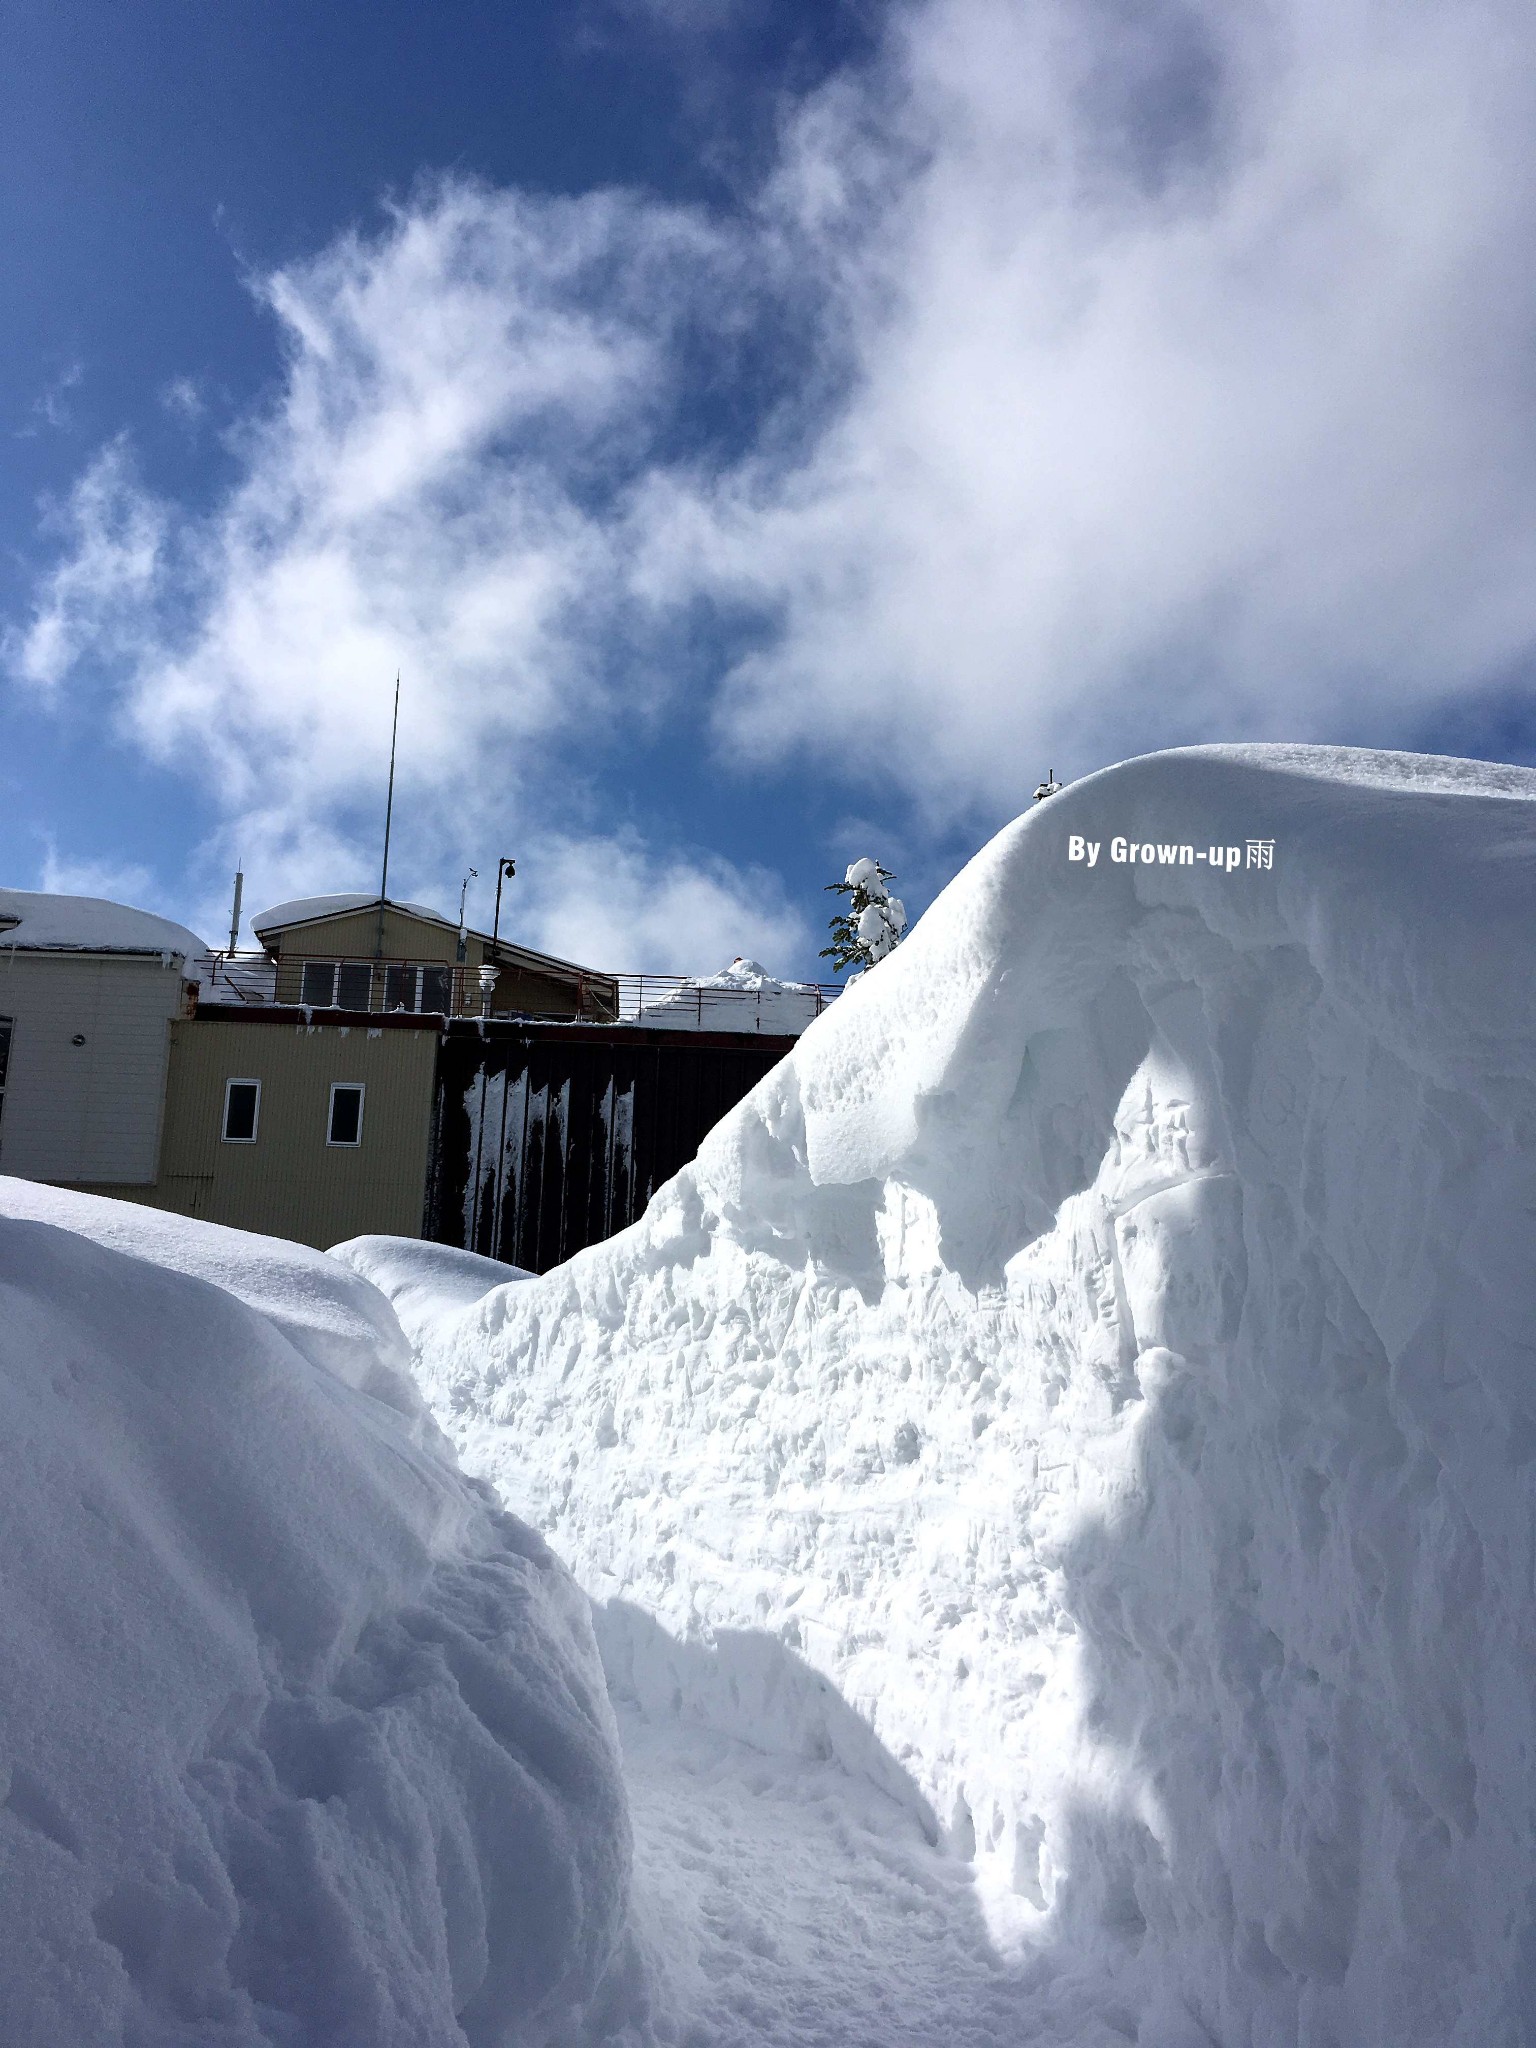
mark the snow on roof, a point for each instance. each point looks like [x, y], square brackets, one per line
[741, 997]
[32, 921]
[305, 909]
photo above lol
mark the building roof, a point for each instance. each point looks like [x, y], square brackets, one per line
[32, 921]
[316, 909]
[310, 909]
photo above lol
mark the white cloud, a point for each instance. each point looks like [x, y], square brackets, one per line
[183, 399]
[1192, 402]
[1131, 376]
[93, 602]
[114, 882]
[52, 406]
[613, 902]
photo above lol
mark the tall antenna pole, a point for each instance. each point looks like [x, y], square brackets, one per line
[389, 814]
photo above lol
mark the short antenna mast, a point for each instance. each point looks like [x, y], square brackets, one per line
[234, 914]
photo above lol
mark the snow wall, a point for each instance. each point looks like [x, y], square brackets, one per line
[302, 1739]
[1089, 1385]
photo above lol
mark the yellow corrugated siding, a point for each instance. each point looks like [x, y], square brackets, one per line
[291, 1183]
[356, 937]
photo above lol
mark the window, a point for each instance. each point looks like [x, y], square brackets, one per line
[400, 988]
[317, 984]
[354, 984]
[336, 984]
[346, 1113]
[437, 989]
[5, 1057]
[242, 1111]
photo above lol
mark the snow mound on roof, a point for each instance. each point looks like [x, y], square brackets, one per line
[302, 908]
[1089, 1386]
[741, 997]
[302, 1739]
[89, 924]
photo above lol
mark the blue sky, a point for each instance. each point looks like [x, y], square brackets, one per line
[761, 434]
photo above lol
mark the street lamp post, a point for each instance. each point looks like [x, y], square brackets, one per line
[506, 868]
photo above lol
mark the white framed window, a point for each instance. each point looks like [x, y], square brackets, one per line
[317, 984]
[345, 1124]
[336, 984]
[354, 985]
[242, 1111]
[400, 985]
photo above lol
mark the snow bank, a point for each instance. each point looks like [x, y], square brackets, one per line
[1089, 1387]
[741, 997]
[302, 1741]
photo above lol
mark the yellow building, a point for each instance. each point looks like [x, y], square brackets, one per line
[367, 953]
[282, 1123]
[289, 1091]
[300, 1095]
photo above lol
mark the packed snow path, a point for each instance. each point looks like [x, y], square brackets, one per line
[787, 1903]
[791, 1905]
[1099, 1358]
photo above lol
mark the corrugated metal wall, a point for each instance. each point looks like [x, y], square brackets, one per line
[553, 1137]
[86, 1112]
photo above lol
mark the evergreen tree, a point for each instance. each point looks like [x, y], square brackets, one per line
[872, 922]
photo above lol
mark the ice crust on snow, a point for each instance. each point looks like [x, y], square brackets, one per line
[302, 1739]
[1088, 1388]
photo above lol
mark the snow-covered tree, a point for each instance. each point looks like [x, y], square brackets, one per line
[873, 922]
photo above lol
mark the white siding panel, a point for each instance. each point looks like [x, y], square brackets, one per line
[88, 1112]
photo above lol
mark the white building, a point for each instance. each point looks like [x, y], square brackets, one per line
[88, 991]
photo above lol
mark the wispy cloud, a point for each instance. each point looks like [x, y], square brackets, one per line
[98, 600]
[116, 882]
[51, 407]
[1082, 379]
[183, 399]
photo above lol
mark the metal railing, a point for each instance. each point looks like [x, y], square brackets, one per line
[435, 988]
[676, 1002]
[401, 987]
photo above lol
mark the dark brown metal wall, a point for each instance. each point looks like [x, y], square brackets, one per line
[551, 1137]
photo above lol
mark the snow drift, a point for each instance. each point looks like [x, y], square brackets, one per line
[1089, 1386]
[302, 1740]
